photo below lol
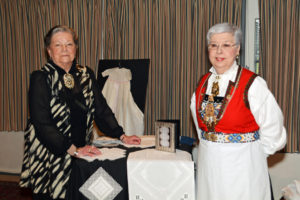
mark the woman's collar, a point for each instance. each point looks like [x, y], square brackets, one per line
[62, 71]
[233, 68]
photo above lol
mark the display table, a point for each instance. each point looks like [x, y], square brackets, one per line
[100, 179]
[157, 175]
[105, 177]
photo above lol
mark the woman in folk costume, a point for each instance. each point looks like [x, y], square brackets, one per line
[64, 99]
[238, 122]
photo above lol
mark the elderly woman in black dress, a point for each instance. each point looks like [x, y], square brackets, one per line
[64, 100]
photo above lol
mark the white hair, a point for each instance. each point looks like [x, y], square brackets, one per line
[225, 28]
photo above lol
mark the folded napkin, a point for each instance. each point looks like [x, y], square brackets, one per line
[292, 191]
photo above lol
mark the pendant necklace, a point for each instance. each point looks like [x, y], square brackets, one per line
[68, 80]
[210, 117]
[215, 88]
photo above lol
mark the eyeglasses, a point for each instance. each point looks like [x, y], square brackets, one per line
[214, 46]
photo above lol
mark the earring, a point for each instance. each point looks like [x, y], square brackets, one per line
[237, 58]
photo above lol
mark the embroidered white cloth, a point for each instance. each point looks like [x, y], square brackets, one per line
[235, 171]
[117, 153]
[158, 175]
[107, 154]
[100, 186]
[292, 191]
[117, 93]
[146, 141]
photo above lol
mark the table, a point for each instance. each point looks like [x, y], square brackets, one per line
[106, 177]
[157, 175]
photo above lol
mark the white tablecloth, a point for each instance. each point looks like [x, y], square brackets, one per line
[157, 175]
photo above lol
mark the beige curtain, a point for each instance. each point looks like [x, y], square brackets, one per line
[23, 25]
[171, 33]
[279, 60]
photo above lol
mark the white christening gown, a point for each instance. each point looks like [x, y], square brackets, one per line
[116, 90]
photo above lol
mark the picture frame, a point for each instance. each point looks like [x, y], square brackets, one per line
[165, 136]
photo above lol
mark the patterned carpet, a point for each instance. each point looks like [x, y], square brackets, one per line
[12, 191]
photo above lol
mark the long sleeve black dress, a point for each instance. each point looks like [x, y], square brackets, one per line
[46, 130]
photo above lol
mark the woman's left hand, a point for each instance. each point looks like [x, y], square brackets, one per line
[88, 150]
[133, 139]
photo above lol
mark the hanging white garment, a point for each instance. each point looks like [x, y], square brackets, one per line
[116, 90]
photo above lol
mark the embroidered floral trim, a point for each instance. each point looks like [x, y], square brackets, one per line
[220, 137]
[245, 96]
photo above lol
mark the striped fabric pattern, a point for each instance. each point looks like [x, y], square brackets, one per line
[38, 160]
[279, 61]
[171, 33]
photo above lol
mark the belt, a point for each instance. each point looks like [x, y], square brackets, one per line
[230, 137]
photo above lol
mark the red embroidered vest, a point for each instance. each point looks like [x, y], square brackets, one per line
[235, 115]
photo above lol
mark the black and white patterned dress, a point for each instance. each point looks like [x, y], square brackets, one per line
[60, 117]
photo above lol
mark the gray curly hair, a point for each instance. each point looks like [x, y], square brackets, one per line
[225, 28]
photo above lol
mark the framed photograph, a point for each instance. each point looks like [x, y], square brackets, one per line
[165, 136]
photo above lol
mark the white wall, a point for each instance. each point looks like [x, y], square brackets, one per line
[11, 151]
[251, 15]
[284, 168]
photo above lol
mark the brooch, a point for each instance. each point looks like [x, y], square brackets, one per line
[68, 80]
